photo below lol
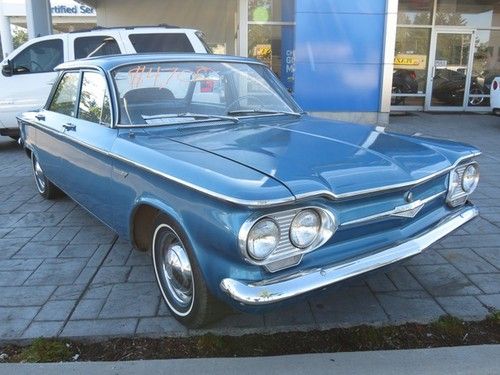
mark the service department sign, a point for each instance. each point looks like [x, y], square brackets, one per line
[70, 8]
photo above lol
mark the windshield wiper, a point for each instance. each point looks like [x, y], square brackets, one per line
[190, 115]
[262, 112]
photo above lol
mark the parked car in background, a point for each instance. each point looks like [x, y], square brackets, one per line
[208, 162]
[403, 82]
[28, 72]
[495, 95]
[449, 87]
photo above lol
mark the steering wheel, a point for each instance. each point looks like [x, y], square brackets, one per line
[234, 102]
[37, 65]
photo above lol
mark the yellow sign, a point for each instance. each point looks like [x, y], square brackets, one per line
[413, 62]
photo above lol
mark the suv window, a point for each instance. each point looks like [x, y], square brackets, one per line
[65, 95]
[100, 45]
[94, 103]
[39, 57]
[172, 42]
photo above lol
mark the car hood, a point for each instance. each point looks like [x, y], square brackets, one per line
[311, 154]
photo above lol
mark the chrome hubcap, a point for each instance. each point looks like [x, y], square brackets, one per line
[39, 176]
[475, 101]
[177, 272]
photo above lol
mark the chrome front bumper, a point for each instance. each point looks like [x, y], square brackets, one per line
[285, 287]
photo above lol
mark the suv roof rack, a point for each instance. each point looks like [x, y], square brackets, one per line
[97, 28]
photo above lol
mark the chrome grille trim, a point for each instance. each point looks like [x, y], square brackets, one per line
[391, 213]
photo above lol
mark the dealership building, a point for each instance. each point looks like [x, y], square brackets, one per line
[349, 59]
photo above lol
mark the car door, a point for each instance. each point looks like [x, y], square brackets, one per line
[88, 139]
[31, 79]
[50, 131]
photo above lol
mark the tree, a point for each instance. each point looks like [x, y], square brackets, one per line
[20, 36]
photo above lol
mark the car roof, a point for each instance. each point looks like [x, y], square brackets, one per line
[162, 26]
[110, 62]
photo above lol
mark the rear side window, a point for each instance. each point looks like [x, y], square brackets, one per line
[94, 103]
[64, 98]
[39, 57]
[95, 46]
[162, 42]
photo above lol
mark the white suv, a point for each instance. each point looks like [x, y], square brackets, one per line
[495, 95]
[28, 72]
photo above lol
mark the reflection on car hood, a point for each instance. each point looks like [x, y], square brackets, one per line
[311, 154]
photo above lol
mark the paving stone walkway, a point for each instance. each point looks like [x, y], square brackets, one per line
[64, 274]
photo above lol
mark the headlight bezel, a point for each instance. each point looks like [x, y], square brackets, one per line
[457, 195]
[286, 254]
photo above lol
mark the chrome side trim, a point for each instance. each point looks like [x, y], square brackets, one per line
[223, 197]
[395, 211]
[284, 287]
[262, 203]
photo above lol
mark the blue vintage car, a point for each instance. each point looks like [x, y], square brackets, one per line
[209, 163]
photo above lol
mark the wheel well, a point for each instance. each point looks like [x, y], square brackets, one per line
[142, 225]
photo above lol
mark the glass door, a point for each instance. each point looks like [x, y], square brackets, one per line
[449, 76]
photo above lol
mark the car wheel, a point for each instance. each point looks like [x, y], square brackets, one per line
[179, 277]
[46, 188]
[476, 101]
[396, 100]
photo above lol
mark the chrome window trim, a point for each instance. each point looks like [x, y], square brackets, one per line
[266, 202]
[285, 248]
[394, 211]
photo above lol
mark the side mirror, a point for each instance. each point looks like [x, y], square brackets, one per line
[7, 69]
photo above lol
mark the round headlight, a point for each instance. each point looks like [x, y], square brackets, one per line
[470, 178]
[263, 239]
[305, 228]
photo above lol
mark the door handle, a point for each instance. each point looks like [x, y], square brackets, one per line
[40, 117]
[69, 126]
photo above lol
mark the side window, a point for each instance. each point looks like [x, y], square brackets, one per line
[161, 42]
[95, 46]
[94, 103]
[39, 57]
[64, 98]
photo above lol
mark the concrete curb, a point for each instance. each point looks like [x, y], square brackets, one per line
[473, 360]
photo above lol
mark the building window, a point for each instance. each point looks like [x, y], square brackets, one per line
[454, 42]
[271, 36]
[410, 66]
[415, 12]
[271, 10]
[481, 14]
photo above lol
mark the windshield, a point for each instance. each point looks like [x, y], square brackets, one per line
[180, 92]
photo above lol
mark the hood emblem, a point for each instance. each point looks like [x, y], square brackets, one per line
[409, 210]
